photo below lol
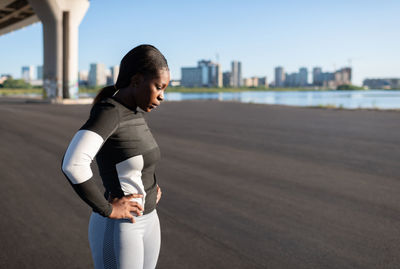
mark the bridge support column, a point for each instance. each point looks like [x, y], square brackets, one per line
[60, 19]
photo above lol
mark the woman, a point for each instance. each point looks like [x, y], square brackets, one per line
[124, 230]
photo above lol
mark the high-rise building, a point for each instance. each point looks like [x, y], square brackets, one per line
[226, 79]
[191, 77]
[206, 74]
[39, 72]
[27, 73]
[343, 76]
[220, 78]
[292, 80]
[328, 80]
[299, 79]
[303, 77]
[211, 75]
[279, 76]
[216, 76]
[97, 75]
[317, 76]
[114, 73]
[236, 74]
[263, 82]
[331, 79]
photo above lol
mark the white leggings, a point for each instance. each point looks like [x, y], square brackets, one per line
[122, 244]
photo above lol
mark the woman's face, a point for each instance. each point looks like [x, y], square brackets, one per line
[149, 92]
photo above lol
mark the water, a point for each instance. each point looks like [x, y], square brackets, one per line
[380, 99]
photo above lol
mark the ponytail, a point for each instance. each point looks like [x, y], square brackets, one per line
[107, 91]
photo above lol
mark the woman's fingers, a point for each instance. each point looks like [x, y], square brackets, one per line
[133, 206]
[136, 205]
[137, 211]
[131, 218]
[124, 207]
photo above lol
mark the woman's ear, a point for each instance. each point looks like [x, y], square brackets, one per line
[136, 80]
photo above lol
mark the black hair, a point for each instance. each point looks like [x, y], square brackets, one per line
[145, 59]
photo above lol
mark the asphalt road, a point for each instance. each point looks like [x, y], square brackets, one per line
[244, 186]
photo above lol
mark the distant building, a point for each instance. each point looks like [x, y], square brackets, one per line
[299, 79]
[263, 82]
[191, 77]
[216, 77]
[382, 83]
[174, 83]
[83, 76]
[27, 73]
[39, 72]
[292, 80]
[211, 74]
[327, 76]
[250, 82]
[317, 78]
[279, 77]
[114, 74]
[328, 80]
[226, 79]
[236, 74]
[303, 77]
[331, 80]
[109, 79]
[97, 75]
[206, 74]
[255, 82]
[343, 76]
[4, 77]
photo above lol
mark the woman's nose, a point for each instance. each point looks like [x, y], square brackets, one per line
[161, 96]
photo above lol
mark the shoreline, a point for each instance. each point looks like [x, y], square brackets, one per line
[86, 101]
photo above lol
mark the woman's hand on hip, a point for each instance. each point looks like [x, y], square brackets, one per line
[159, 192]
[122, 207]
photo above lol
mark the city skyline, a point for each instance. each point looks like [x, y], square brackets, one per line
[112, 71]
[209, 74]
[261, 35]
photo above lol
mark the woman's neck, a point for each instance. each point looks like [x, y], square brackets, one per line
[125, 97]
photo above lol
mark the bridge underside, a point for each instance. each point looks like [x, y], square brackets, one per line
[15, 14]
[60, 20]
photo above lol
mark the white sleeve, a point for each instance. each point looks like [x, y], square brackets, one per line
[80, 153]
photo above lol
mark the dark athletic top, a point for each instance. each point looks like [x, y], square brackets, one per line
[126, 154]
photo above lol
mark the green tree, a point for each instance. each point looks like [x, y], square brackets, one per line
[16, 84]
[348, 87]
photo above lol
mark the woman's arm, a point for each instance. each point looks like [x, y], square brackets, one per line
[102, 123]
[76, 167]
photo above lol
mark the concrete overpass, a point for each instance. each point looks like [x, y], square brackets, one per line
[60, 20]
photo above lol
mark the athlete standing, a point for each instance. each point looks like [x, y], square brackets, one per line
[124, 230]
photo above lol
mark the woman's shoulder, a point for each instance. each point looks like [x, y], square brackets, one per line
[107, 102]
[106, 106]
[123, 109]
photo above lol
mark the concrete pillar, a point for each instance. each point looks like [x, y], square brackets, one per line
[60, 19]
[73, 13]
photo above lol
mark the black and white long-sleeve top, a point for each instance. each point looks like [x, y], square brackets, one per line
[126, 154]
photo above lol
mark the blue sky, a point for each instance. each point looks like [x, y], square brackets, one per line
[260, 34]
